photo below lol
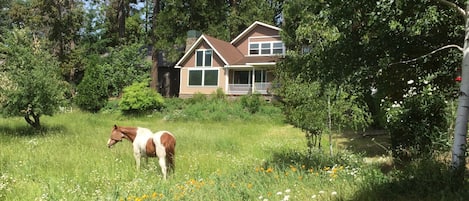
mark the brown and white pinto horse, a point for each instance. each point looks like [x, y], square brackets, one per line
[147, 144]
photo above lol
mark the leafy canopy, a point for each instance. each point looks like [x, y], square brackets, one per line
[32, 86]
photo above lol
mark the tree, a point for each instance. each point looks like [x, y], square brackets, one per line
[33, 86]
[93, 89]
[376, 42]
[153, 35]
[458, 161]
[126, 65]
[242, 13]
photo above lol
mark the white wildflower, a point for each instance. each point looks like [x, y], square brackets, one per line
[410, 82]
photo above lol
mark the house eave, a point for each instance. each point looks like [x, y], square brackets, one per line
[238, 66]
[252, 27]
[262, 64]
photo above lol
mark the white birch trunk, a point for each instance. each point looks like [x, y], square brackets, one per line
[458, 161]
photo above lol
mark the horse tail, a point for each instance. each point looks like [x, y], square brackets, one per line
[169, 143]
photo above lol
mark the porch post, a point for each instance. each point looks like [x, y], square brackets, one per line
[253, 88]
[227, 81]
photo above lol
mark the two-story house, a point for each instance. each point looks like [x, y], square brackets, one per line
[239, 67]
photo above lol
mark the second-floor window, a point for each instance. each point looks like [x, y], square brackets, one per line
[203, 58]
[265, 48]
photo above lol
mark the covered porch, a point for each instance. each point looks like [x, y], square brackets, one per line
[245, 80]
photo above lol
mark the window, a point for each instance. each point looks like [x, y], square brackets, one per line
[265, 48]
[203, 77]
[203, 58]
[242, 77]
[261, 76]
[195, 78]
[277, 48]
[254, 49]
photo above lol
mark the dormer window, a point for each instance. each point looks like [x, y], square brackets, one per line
[203, 58]
[265, 48]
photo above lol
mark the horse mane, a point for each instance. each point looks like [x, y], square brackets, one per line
[129, 132]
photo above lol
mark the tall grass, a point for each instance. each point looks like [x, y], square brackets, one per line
[215, 160]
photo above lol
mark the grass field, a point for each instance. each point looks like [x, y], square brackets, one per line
[228, 160]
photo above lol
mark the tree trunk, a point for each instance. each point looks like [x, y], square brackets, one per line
[121, 18]
[458, 162]
[34, 122]
[154, 55]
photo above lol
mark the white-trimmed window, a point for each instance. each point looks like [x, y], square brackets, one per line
[266, 48]
[203, 77]
[203, 58]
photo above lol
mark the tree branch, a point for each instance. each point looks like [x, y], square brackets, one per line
[454, 6]
[428, 54]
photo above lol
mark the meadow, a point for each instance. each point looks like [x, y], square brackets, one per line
[218, 160]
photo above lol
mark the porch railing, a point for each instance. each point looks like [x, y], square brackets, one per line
[242, 89]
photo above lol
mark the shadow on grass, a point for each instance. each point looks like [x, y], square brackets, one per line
[317, 159]
[419, 180]
[27, 130]
[372, 143]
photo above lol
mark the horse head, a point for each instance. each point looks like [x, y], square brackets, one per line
[116, 136]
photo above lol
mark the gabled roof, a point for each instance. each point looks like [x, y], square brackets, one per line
[227, 52]
[250, 28]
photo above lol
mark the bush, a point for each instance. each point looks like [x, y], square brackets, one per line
[418, 125]
[92, 93]
[251, 102]
[139, 97]
[219, 94]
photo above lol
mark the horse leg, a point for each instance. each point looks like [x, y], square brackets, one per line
[162, 162]
[161, 153]
[137, 160]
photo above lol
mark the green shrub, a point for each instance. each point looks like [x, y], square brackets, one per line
[138, 98]
[418, 125]
[92, 93]
[251, 102]
[219, 94]
[197, 98]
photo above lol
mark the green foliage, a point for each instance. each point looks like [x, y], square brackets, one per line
[215, 109]
[139, 97]
[32, 86]
[353, 43]
[92, 92]
[418, 125]
[313, 108]
[126, 66]
[251, 102]
[218, 94]
[418, 180]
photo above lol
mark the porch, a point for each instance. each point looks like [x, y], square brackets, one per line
[242, 81]
[262, 88]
